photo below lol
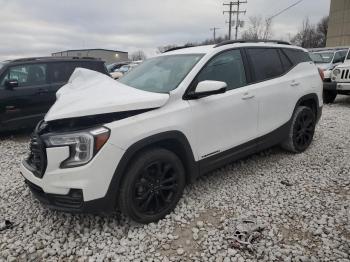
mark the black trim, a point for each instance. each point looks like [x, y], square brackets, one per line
[276, 137]
[228, 42]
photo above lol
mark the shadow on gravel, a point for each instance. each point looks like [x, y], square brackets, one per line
[18, 135]
[343, 101]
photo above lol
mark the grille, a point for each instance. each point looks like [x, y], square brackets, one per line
[37, 156]
[345, 74]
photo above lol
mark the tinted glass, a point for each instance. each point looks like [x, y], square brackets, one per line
[61, 71]
[265, 63]
[287, 64]
[161, 74]
[297, 56]
[26, 75]
[226, 67]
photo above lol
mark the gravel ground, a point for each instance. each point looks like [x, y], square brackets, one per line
[303, 200]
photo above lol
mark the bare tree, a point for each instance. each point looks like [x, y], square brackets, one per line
[138, 55]
[258, 28]
[312, 36]
[322, 30]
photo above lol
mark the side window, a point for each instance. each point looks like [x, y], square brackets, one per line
[287, 64]
[226, 67]
[26, 75]
[60, 72]
[297, 56]
[265, 63]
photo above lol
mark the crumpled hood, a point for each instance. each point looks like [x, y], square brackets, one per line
[90, 93]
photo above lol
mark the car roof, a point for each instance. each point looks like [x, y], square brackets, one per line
[207, 49]
[54, 59]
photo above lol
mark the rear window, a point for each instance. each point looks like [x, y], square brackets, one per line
[297, 56]
[265, 63]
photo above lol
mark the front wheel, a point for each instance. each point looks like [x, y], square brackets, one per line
[152, 186]
[301, 130]
[329, 96]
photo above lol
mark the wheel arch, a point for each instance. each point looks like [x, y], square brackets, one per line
[311, 101]
[174, 141]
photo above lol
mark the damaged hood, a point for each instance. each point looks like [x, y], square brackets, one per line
[90, 93]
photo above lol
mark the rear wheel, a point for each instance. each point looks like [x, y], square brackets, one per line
[301, 131]
[329, 96]
[152, 186]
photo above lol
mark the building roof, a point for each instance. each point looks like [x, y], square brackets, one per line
[90, 49]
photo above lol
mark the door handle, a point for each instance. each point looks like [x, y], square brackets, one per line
[294, 83]
[11, 109]
[247, 96]
[42, 91]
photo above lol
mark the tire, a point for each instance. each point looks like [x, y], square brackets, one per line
[153, 185]
[329, 96]
[301, 130]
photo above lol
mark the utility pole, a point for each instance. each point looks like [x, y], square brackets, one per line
[214, 31]
[237, 12]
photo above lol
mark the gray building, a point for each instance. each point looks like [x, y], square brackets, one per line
[109, 56]
[339, 23]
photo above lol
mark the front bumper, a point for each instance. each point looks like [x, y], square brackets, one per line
[343, 86]
[79, 189]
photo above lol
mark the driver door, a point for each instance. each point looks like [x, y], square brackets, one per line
[223, 122]
[26, 104]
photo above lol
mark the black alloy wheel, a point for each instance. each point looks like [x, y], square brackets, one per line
[304, 128]
[155, 187]
[152, 186]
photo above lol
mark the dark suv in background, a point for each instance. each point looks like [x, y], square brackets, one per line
[28, 87]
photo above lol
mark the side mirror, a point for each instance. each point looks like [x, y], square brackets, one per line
[11, 83]
[208, 88]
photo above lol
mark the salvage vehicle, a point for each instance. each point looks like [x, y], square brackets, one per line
[28, 87]
[175, 117]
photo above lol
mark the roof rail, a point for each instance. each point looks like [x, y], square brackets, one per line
[228, 42]
[177, 48]
[50, 58]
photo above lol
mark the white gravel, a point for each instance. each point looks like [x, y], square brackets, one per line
[307, 215]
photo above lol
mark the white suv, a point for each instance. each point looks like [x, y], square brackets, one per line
[134, 144]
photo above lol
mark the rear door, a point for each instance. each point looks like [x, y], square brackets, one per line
[26, 104]
[275, 90]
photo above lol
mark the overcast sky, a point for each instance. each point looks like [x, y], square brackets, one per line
[40, 27]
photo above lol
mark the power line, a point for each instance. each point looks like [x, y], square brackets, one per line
[237, 12]
[284, 10]
[214, 31]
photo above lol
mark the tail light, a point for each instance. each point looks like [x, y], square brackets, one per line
[320, 71]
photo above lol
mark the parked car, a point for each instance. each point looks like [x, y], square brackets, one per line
[28, 87]
[113, 67]
[340, 82]
[118, 73]
[328, 59]
[173, 118]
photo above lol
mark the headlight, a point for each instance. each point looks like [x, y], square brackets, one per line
[336, 72]
[83, 146]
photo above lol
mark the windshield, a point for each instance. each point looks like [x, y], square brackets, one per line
[2, 64]
[161, 74]
[324, 57]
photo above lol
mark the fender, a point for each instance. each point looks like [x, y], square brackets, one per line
[313, 97]
[172, 140]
